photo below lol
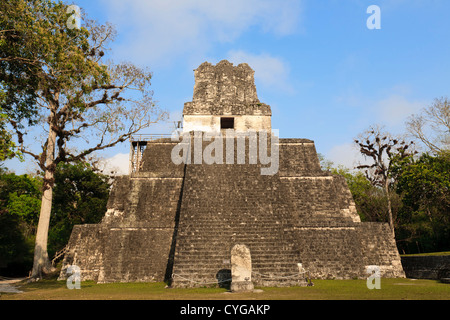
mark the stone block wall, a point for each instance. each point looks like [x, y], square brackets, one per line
[298, 157]
[224, 83]
[135, 255]
[157, 162]
[182, 221]
[426, 267]
[149, 202]
[330, 252]
[107, 254]
[85, 250]
[378, 247]
[318, 202]
[133, 242]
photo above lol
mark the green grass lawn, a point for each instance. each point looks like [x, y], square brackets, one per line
[391, 289]
[446, 253]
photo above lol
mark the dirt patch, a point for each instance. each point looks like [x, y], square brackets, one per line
[8, 285]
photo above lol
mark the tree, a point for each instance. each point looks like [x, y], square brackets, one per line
[381, 149]
[85, 103]
[20, 33]
[13, 245]
[7, 145]
[432, 126]
[20, 195]
[370, 200]
[424, 185]
[80, 197]
[20, 198]
[325, 164]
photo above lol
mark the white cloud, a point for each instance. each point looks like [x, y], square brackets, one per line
[119, 164]
[390, 108]
[165, 127]
[270, 71]
[395, 109]
[347, 155]
[159, 30]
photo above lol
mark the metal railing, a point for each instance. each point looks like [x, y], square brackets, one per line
[149, 137]
[138, 144]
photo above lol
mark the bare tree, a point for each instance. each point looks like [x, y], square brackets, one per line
[380, 148]
[432, 126]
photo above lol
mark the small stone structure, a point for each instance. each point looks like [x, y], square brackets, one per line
[179, 222]
[241, 269]
[427, 267]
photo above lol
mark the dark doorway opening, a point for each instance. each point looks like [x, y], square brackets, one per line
[224, 278]
[226, 123]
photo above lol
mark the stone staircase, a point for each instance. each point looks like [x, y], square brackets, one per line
[227, 205]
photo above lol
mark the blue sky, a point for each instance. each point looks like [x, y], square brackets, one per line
[326, 76]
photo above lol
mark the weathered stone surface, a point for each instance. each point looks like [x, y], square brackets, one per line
[427, 267]
[179, 223]
[225, 89]
[241, 269]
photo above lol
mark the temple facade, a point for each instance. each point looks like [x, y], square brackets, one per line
[177, 221]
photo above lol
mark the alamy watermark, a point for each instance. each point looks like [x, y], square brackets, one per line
[220, 145]
[374, 21]
[74, 21]
[374, 280]
[74, 281]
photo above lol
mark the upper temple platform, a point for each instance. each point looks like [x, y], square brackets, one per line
[225, 98]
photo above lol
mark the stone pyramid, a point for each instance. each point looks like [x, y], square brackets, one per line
[177, 221]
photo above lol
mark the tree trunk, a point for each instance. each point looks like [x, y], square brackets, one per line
[391, 220]
[41, 262]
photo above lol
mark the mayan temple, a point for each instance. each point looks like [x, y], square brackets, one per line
[176, 217]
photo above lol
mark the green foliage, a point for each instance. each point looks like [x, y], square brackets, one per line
[80, 197]
[21, 195]
[60, 73]
[8, 149]
[20, 36]
[19, 209]
[370, 200]
[420, 200]
[15, 250]
[424, 185]
[26, 206]
[57, 73]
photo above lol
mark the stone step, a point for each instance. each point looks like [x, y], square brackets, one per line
[260, 260]
[214, 240]
[224, 226]
[262, 240]
[255, 249]
[264, 270]
[195, 279]
[247, 228]
[257, 252]
[232, 221]
[235, 221]
[254, 252]
[212, 264]
[241, 230]
[228, 236]
[207, 252]
[213, 247]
